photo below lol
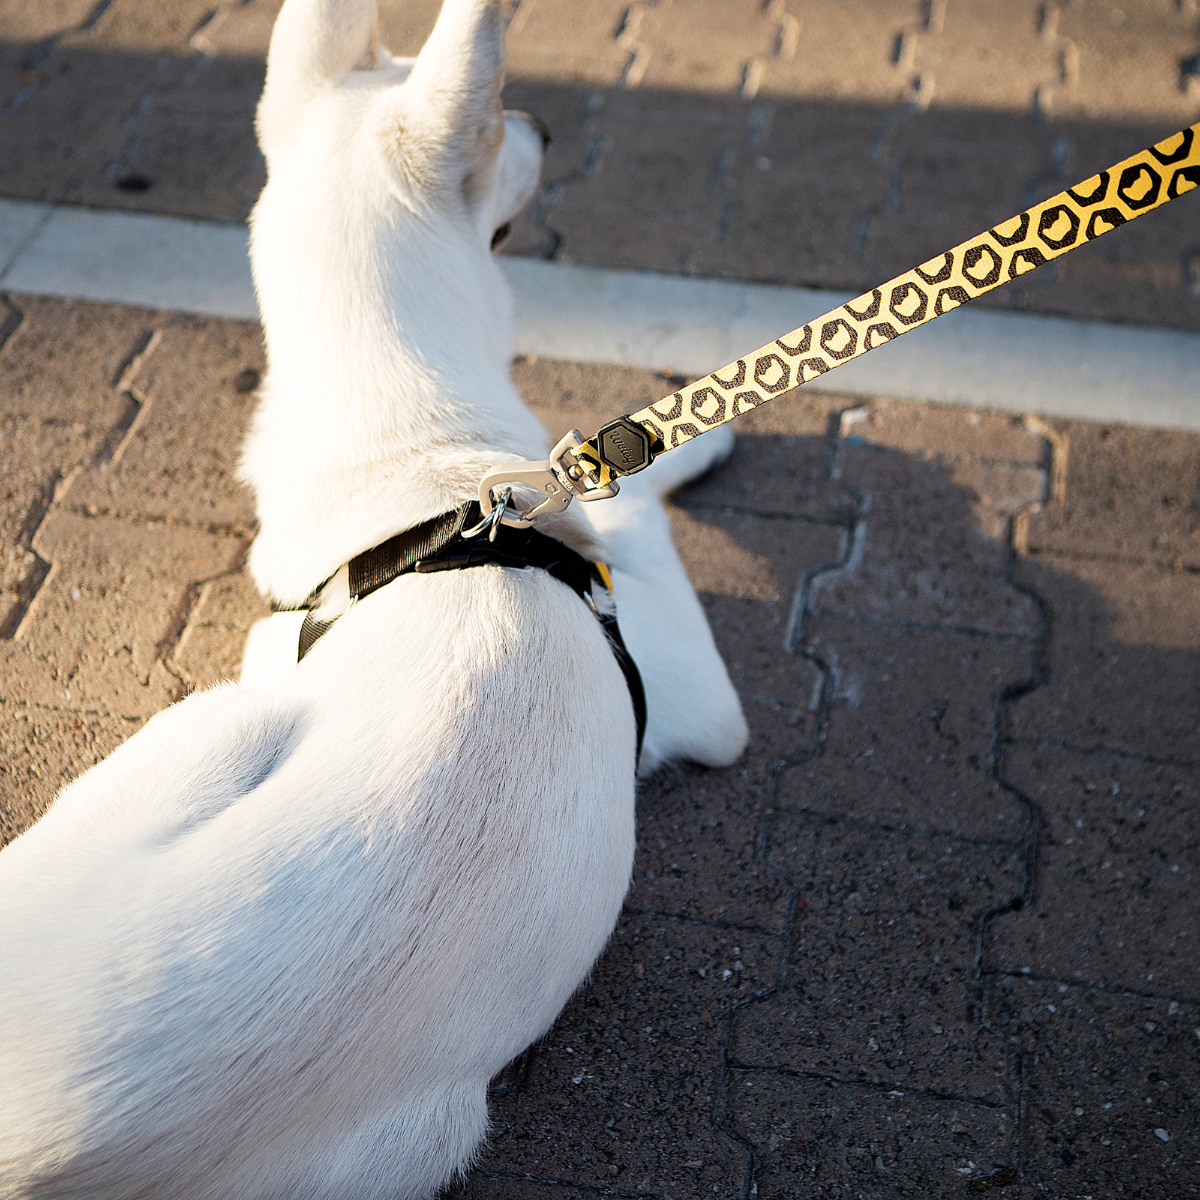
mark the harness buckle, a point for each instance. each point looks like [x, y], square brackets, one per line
[561, 478]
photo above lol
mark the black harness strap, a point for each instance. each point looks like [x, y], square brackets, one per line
[438, 545]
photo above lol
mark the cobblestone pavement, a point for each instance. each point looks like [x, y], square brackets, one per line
[829, 143]
[935, 934]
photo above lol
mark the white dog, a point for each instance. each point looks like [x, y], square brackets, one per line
[277, 944]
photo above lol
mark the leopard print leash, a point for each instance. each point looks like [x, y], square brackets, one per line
[1081, 214]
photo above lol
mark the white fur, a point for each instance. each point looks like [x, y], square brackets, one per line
[276, 945]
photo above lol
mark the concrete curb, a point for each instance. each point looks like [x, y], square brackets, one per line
[131, 258]
[1011, 362]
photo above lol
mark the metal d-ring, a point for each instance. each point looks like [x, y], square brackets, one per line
[492, 521]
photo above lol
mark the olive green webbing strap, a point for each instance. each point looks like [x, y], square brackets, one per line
[1078, 215]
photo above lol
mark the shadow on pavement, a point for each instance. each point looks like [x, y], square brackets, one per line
[932, 937]
[820, 193]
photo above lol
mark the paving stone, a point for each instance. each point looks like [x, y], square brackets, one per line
[244, 30]
[115, 600]
[800, 194]
[773, 477]
[194, 146]
[566, 394]
[574, 153]
[60, 144]
[910, 728]
[682, 54]
[1115, 891]
[210, 647]
[979, 51]
[656, 205]
[168, 138]
[958, 173]
[1001, 460]
[1130, 494]
[27, 447]
[162, 123]
[560, 41]
[484, 1183]
[752, 557]
[697, 847]
[823, 1137]
[1121, 659]
[33, 23]
[1161, 291]
[1102, 1073]
[931, 549]
[779, 466]
[62, 362]
[954, 435]
[1130, 57]
[199, 377]
[13, 77]
[148, 29]
[845, 50]
[35, 455]
[28, 28]
[44, 749]
[746, 570]
[879, 987]
[621, 1093]
[59, 413]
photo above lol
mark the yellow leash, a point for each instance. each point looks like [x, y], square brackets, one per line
[588, 469]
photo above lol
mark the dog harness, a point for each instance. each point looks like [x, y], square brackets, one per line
[440, 544]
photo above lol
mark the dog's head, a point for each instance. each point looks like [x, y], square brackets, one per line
[397, 164]
[432, 127]
[389, 325]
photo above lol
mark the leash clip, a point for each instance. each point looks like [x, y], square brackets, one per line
[492, 520]
[561, 478]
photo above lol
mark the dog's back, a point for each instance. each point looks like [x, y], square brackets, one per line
[363, 898]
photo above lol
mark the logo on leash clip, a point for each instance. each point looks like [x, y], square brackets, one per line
[624, 446]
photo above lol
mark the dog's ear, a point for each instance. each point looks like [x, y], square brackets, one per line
[315, 44]
[454, 90]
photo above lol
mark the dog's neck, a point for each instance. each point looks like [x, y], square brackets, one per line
[387, 397]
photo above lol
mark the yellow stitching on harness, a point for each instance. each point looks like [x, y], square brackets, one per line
[1081, 214]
